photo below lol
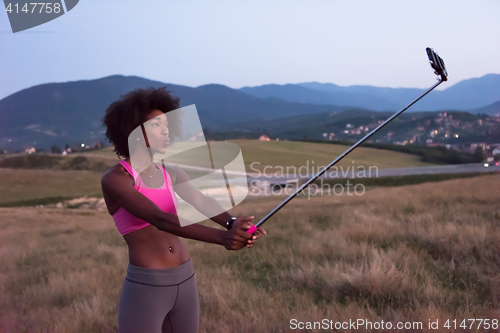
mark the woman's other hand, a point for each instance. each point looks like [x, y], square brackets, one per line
[256, 235]
[237, 237]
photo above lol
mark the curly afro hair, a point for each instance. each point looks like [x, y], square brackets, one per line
[130, 111]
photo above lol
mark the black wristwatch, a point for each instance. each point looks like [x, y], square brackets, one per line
[229, 223]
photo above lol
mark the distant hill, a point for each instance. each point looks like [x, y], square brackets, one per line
[303, 93]
[451, 127]
[492, 109]
[465, 95]
[70, 112]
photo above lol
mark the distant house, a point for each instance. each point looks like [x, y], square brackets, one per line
[30, 150]
[495, 148]
[473, 146]
[264, 137]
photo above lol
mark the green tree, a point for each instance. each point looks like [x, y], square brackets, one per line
[478, 155]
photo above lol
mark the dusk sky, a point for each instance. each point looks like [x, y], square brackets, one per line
[249, 43]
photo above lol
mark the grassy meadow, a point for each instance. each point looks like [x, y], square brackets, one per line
[31, 186]
[406, 253]
[48, 178]
[295, 153]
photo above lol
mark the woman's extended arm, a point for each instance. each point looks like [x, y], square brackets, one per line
[121, 189]
[189, 193]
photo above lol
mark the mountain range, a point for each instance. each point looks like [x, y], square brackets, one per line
[465, 95]
[71, 112]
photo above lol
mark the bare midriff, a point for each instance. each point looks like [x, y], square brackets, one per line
[152, 248]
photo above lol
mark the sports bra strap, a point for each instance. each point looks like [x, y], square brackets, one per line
[135, 174]
[129, 169]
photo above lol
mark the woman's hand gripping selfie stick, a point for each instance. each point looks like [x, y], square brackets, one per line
[439, 69]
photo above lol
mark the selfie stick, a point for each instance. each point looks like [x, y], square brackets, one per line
[439, 69]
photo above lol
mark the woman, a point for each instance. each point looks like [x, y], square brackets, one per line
[159, 293]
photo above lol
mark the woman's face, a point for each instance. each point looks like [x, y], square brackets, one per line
[156, 127]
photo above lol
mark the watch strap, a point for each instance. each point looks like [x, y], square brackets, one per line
[229, 223]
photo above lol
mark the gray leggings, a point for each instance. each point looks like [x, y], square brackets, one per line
[159, 300]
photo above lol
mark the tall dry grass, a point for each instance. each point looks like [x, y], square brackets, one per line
[411, 253]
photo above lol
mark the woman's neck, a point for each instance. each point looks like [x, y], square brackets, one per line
[141, 164]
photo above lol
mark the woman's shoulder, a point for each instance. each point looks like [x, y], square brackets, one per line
[116, 173]
[175, 173]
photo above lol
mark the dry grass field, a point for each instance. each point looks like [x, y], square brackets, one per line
[409, 253]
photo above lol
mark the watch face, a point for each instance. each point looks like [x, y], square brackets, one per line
[229, 223]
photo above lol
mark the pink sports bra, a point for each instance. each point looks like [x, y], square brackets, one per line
[162, 196]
